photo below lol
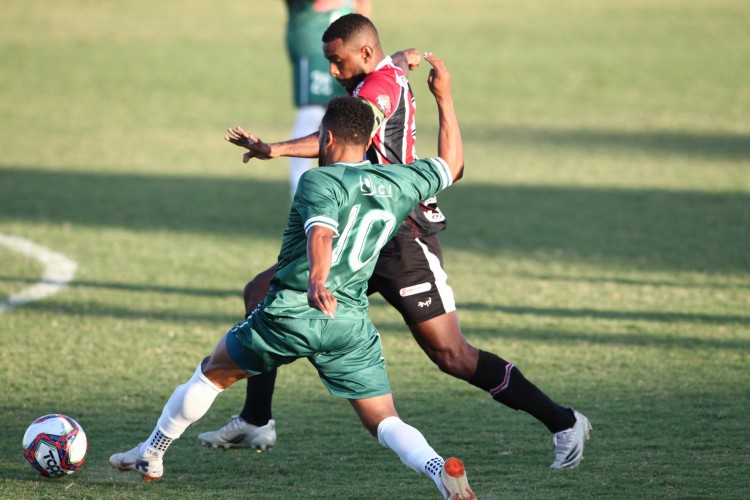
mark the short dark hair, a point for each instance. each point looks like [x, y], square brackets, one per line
[350, 119]
[347, 27]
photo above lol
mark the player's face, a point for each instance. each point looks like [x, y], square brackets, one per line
[346, 64]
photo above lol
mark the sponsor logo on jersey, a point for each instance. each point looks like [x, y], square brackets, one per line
[370, 188]
[426, 303]
[413, 290]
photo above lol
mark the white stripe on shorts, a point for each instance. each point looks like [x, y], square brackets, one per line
[441, 278]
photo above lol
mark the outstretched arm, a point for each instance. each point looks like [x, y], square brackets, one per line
[304, 147]
[450, 145]
[319, 255]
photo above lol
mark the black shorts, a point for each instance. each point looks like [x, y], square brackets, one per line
[410, 276]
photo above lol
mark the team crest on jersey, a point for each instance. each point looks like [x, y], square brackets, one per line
[384, 103]
[370, 188]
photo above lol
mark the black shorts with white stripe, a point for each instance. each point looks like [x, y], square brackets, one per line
[410, 276]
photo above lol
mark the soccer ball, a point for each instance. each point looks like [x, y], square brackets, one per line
[55, 445]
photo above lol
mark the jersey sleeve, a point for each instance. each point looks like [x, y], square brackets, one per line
[379, 117]
[430, 176]
[315, 201]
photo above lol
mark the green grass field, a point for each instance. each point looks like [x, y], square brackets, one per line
[600, 240]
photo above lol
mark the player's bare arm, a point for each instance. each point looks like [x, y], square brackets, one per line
[319, 254]
[407, 59]
[304, 147]
[450, 145]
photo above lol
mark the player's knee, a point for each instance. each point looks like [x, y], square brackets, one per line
[456, 362]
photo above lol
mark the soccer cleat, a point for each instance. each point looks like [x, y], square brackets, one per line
[569, 443]
[150, 467]
[240, 434]
[455, 484]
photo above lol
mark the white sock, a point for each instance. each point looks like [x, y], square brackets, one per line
[189, 402]
[297, 167]
[307, 121]
[412, 448]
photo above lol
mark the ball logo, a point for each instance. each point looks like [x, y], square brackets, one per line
[51, 463]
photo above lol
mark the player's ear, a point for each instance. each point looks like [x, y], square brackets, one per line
[329, 139]
[366, 53]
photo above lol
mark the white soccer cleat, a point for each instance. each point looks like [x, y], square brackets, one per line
[455, 484]
[240, 434]
[569, 443]
[150, 467]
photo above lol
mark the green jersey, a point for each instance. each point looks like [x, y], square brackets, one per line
[313, 84]
[364, 204]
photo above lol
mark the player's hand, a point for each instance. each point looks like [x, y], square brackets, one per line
[255, 147]
[320, 298]
[439, 80]
[412, 58]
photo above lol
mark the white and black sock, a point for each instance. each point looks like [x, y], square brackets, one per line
[412, 448]
[189, 402]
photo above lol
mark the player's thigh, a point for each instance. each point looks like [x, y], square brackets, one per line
[410, 276]
[263, 342]
[350, 360]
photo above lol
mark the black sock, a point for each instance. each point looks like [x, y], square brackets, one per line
[507, 385]
[257, 410]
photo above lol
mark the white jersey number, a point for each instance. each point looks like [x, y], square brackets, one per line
[368, 234]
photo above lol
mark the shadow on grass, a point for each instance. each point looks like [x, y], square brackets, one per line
[146, 202]
[651, 229]
[646, 229]
[618, 280]
[119, 286]
[642, 338]
[661, 317]
[702, 145]
[177, 316]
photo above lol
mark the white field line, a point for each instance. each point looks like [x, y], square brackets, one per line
[58, 272]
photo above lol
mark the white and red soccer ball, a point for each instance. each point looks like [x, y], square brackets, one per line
[55, 445]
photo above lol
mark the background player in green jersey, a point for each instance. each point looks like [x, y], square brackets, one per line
[341, 217]
[312, 83]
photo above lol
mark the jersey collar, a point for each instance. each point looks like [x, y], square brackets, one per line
[353, 164]
[387, 61]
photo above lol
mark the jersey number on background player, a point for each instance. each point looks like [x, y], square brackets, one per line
[363, 237]
[321, 83]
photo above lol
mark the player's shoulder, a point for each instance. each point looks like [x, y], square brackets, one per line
[437, 166]
[387, 75]
[323, 174]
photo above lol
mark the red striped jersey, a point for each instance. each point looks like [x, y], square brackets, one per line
[395, 141]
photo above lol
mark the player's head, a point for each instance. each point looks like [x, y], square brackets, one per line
[352, 47]
[346, 128]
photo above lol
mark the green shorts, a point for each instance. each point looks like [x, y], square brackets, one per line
[347, 353]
